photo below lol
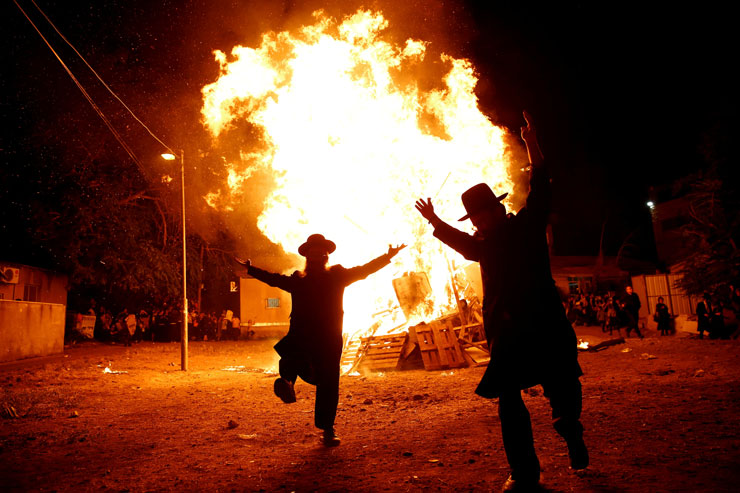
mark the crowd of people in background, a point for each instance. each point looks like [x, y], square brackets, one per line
[713, 310]
[611, 311]
[614, 311]
[163, 323]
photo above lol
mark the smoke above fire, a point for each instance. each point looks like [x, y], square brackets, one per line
[350, 131]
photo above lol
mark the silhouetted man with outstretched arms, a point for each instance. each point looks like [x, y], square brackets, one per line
[312, 349]
[531, 342]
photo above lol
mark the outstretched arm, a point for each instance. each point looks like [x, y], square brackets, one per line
[276, 280]
[362, 271]
[467, 245]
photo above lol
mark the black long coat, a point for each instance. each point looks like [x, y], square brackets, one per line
[315, 331]
[531, 339]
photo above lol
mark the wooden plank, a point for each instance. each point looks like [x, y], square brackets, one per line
[439, 346]
[383, 352]
[452, 349]
[440, 341]
[350, 352]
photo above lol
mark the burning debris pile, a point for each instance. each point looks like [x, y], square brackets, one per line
[453, 340]
[441, 344]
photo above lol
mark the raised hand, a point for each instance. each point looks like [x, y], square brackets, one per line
[392, 251]
[528, 132]
[426, 209]
[529, 136]
[246, 263]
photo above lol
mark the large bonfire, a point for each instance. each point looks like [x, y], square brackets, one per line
[352, 139]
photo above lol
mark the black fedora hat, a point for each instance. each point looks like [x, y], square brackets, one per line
[478, 198]
[317, 241]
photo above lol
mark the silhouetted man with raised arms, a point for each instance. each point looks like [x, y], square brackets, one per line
[312, 349]
[531, 340]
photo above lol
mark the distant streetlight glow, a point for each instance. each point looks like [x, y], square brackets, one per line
[651, 204]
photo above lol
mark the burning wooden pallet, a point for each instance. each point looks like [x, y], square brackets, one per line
[351, 355]
[382, 352]
[443, 343]
[472, 340]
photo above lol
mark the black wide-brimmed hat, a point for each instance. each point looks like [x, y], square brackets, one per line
[317, 241]
[478, 198]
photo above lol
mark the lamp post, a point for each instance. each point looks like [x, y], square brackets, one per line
[184, 330]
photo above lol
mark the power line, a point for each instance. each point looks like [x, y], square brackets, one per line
[100, 78]
[89, 98]
[107, 122]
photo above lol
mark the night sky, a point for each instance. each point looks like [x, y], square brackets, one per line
[623, 94]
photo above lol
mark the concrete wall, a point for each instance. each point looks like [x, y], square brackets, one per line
[30, 329]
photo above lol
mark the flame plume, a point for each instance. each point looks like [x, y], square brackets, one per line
[352, 141]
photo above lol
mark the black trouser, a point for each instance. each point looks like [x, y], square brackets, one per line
[664, 328]
[324, 374]
[516, 428]
[632, 323]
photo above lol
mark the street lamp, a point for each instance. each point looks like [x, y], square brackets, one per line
[184, 331]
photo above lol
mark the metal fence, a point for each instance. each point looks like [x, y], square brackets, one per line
[664, 285]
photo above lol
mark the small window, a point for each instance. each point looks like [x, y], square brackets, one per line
[273, 302]
[30, 293]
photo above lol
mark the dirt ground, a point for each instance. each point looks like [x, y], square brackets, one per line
[661, 414]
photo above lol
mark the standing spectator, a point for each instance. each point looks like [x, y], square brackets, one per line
[613, 316]
[145, 326]
[210, 329]
[704, 315]
[663, 317]
[236, 327]
[130, 321]
[717, 322]
[122, 333]
[601, 314]
[221, 325]
[631, 306]
[102, 331]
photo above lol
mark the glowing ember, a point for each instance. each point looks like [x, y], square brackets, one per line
[582, 344]
[352, 140]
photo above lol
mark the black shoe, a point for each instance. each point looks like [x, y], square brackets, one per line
[532, 485]
[329, 438]
[284, 389]
[578, 454]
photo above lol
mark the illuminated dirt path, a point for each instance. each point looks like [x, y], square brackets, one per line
[664, 416]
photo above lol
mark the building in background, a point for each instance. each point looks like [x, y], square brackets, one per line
[264, 309]
[20, 282]
[33, 304]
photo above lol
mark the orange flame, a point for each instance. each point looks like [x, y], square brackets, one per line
[352, 147]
